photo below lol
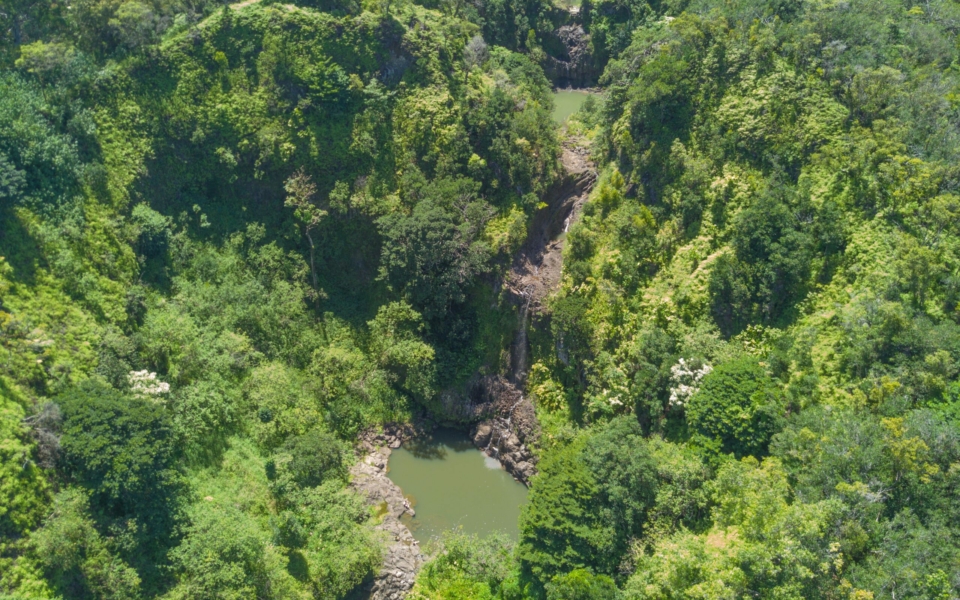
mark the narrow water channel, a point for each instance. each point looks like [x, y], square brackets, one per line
[452, 484]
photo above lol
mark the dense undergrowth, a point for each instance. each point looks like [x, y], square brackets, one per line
[233, 237]
[229, 243]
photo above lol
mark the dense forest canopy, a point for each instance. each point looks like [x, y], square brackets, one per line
[235, 236]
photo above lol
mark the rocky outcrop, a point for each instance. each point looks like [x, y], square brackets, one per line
[575, 67]
[498, 439]
[402, 556]
[508, 428]
[391, 436]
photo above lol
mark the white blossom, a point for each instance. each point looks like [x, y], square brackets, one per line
[686, 381]
[144, 383]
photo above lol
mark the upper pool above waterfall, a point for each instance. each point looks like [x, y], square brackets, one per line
[451, 484]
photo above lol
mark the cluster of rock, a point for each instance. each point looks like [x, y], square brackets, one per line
[509, 425]
[402, 556]
[392, 436]
[576, 67]
[498, 441]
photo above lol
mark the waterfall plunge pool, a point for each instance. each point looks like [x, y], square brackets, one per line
[567, 102]
[451, 484]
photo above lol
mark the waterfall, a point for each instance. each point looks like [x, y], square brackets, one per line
[518, 357]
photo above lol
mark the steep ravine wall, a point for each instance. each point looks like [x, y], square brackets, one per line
[575, 67]
[505, 419]
[508, 423]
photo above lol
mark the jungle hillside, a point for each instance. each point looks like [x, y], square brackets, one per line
[241, 240]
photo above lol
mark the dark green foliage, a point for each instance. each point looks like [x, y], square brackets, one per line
[123, 449]
[558, 531]
[737, 407]
[38, 164]
[78, 561]
[770, 266]
[591, 499]
[433, 254]
[912, 559]
[317, 457]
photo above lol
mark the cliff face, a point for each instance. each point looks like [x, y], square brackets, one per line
[509, 424]
[575, 67]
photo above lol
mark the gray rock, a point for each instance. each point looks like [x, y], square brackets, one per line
[481, 436]
[575, 67]
[509, 443]
[401, 557]
[525, 469]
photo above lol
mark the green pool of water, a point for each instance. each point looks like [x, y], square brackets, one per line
[566, 102]
[452, 484]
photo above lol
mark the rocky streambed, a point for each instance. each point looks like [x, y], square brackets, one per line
[402, 556]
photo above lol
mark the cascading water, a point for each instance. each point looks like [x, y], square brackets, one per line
[509, 424]
[518, 358]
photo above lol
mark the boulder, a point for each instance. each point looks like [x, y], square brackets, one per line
[481, 436]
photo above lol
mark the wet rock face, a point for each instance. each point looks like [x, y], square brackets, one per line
[509, 424]
[576, 67]
[497, 440]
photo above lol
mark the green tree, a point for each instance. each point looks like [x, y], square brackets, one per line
[76, 558]
[581, 584]
[317, 457]
[300, 197]
[123, 450]
[433, 254]
[222, 556]
[397, 347]
[737, 407]
[589, 501]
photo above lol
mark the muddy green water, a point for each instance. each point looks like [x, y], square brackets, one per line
[452, 484]
[567, 102]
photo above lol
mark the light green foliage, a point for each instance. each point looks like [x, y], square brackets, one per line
[24, 490]
[582, 585]
[292, 213]
[340, 548]
[76, 558]
[223, 555]
[765, 208]
[315, 540]
[396, 346]
[281, 402]
[466, 567]
[758, 542]
[156, 159]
